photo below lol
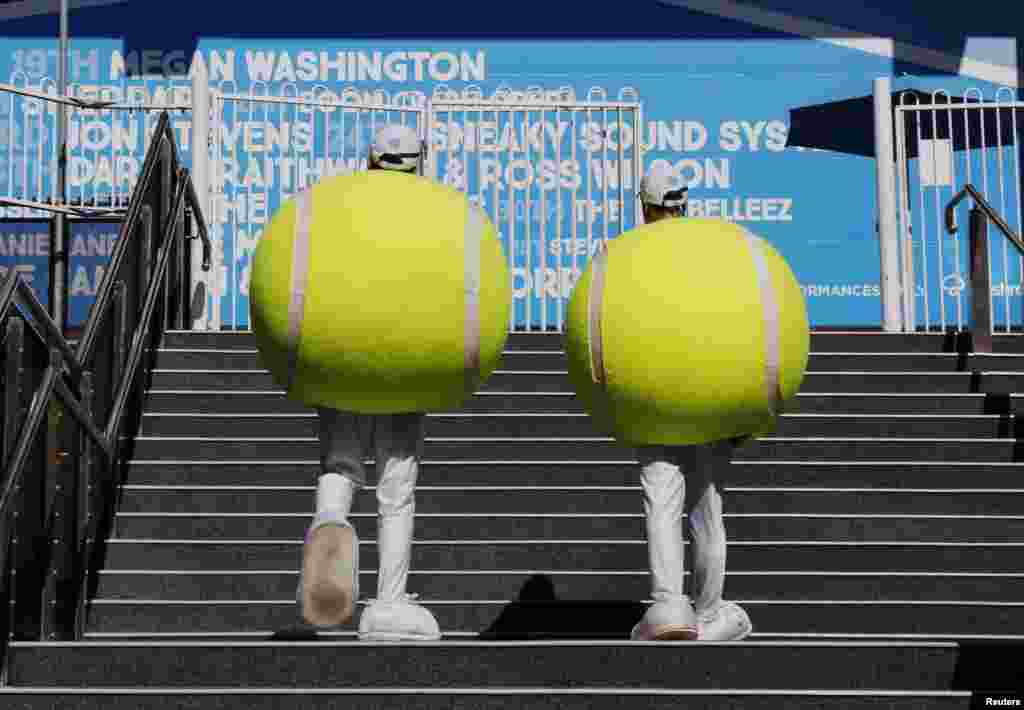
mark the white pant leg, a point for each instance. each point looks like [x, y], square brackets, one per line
[664, 494]
[707, 526]
[399, 446]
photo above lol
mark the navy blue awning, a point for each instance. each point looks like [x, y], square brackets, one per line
[848, 126]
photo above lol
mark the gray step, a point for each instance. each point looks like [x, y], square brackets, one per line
[624, 471]
[276, 473]
[593, 448]
[749, 665]
[322, 696]
[896, 402]
[245, 340]
[911, 362]
[574, 425]
[437, 425]
[218, 402]
[882, 449]
[594, 619]
[877, 341]
[595, 555]
[452, 500]
[912, 382]
[261, 380]
[873, 341]
[571, 584]
[236, 359]
[899, 402]
[898, 426]
[511, 526]
[558, 381]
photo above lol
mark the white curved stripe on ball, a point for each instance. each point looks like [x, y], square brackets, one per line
[770, 318]
[475, 222]
[596, 301]
[299, 277]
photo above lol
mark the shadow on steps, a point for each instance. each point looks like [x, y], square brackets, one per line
[538, 614]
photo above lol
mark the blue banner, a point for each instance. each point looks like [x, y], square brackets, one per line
[717, 110]
[25, 247]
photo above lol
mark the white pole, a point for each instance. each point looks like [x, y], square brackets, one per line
[201, 179]
[888, 237]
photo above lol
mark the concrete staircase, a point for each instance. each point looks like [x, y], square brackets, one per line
[874, 539]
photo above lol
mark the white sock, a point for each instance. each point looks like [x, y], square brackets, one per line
[334, 494]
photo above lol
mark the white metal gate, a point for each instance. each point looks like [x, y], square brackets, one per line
[558, 176]
[940, 147]
[108, 131]
[266, 148]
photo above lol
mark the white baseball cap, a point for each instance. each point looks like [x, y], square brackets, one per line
[396, 147]
[663, 186]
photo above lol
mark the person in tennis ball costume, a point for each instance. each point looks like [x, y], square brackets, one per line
[668, 493]
[329, 581]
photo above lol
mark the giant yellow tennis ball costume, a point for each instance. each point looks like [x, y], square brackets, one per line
[686, 331]
[380, 293]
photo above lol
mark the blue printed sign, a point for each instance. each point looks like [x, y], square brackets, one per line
[717, 115]
[25, 247]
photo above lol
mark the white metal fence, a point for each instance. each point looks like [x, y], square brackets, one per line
[107, 134]
[558, 177]
[268, 147]
[942, 145]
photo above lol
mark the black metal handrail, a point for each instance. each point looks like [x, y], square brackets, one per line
[981, 203]
[16, 290]
[52, 531]
[163, 141]
[139, 339]
[981, 213]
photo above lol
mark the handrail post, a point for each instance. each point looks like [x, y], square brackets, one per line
[146, 250]
[13, 416]
[30, 542]
[13, 354]
[981, 306]
[84, 527]
[119, 328]
[62, 541]
[981, 290]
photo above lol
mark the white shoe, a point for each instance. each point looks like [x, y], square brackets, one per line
[329, 581]
[670, 619]
[402, 619]
[727, 621]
